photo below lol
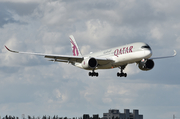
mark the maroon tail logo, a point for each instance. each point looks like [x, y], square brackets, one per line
[74, 48]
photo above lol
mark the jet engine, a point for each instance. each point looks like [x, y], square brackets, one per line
[89, 63]
[146, 64]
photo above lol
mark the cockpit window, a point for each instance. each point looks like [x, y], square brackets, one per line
[147, 46]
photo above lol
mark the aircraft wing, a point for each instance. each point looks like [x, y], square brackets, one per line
[64, 58]
[53, 57]
[175, 53]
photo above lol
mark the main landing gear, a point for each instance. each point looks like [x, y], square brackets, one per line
[119, 74]
[93, 74]
[122, 74]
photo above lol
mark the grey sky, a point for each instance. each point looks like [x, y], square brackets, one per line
[32, 85]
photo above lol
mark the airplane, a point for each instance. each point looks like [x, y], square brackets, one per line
[118, 57]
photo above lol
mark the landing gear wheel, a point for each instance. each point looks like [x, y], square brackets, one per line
[125, 74]
[118, 74]
[90, 74]
[97, 74]
[93, 74]
[121, 74]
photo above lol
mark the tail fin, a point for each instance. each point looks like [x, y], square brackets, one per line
[75, 49]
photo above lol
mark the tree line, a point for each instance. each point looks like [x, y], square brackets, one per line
[44, 117]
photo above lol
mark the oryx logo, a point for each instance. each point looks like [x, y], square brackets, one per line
[74, 48]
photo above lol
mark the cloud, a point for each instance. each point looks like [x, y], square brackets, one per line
[19, 1]
[156, 34]
[31, 82]
[21, 8]
[6, 18]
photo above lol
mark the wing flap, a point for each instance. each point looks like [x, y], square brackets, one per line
[63, 58]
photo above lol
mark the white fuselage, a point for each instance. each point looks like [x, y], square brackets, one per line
[122, 55]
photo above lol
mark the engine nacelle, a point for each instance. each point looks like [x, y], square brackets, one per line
[89, 63]
[146, 64]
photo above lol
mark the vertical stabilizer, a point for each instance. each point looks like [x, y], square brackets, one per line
[74, 46]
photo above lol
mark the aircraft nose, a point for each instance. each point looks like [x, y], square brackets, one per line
[148, 53]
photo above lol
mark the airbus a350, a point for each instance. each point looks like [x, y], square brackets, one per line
[118, 57]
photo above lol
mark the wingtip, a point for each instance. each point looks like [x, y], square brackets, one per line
[10, 50]
[175, 53]
[7, 48]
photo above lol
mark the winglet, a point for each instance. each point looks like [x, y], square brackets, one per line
[11, 50]
[7, 48]
[175, 53]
